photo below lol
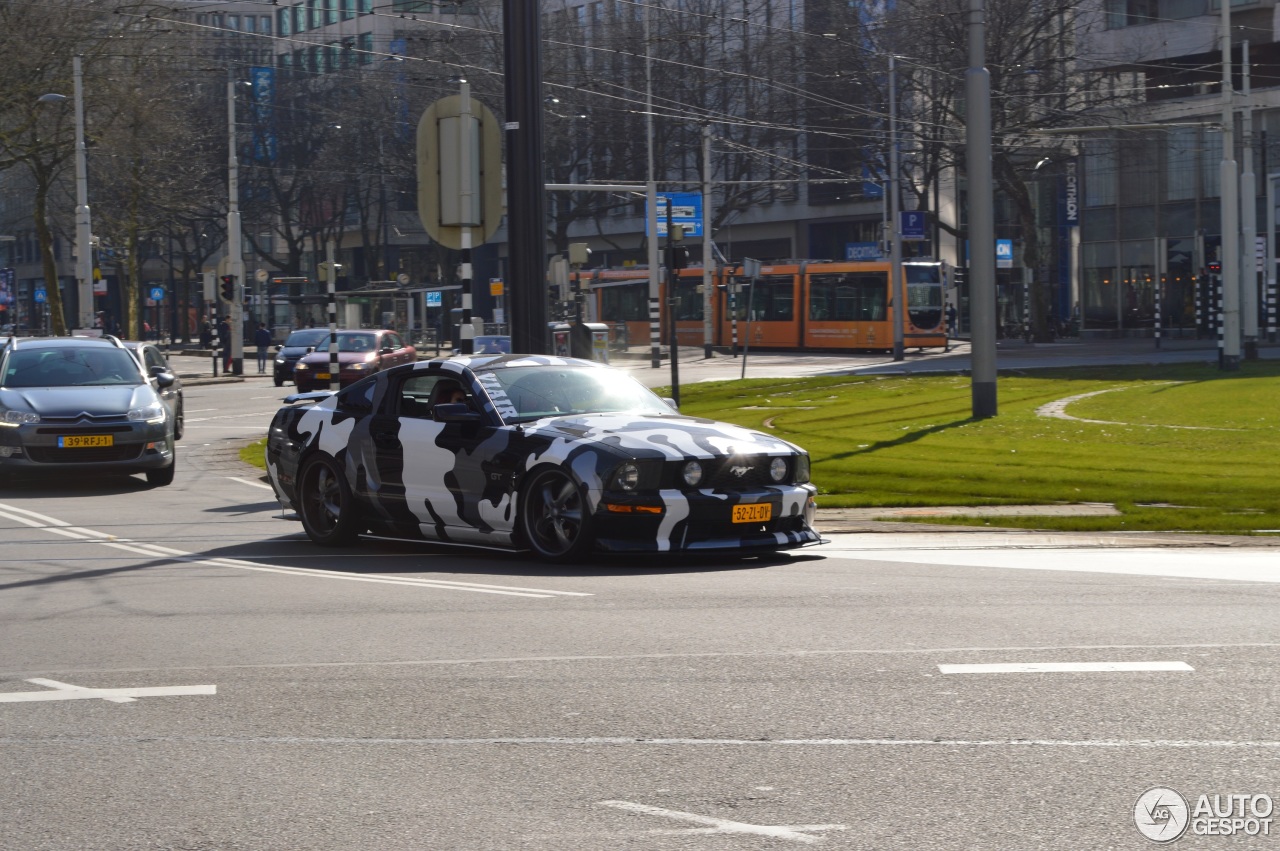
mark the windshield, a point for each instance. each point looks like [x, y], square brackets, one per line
[357, 342]
[521, 394]
[70, 367]
[309, 337]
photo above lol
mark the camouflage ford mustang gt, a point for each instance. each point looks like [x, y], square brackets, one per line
[559, 456]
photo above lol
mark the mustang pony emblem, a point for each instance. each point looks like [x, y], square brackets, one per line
[739, 470]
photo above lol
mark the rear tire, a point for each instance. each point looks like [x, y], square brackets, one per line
[326, 504]
[554, 517]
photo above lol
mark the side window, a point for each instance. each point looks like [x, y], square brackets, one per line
[419, 394]
[357, 400]
[151, 357]
[393, 340]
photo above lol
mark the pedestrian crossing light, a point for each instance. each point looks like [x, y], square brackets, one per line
[228, 288]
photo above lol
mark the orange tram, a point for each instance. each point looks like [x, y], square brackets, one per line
[805, 305]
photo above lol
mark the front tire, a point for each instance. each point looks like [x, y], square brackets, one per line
[326, 505]
[555, 518]
[163, 477]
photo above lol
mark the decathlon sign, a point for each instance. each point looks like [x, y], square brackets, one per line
[1071, 193]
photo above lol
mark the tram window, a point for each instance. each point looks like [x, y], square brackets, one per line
[774, 299]
[859, 297]
[688, 301]
[627, 303]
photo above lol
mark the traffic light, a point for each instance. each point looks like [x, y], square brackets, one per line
[679, 257]
[228, 288]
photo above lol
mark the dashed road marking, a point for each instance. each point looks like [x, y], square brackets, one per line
[802, 833]
[61, 527]
[66, 691]
[1063, 667]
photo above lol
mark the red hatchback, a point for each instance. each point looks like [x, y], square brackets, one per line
[360, 353]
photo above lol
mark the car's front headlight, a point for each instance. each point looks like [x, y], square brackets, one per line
[692, 473]
[361, 367]
[281, 359]
[778, 469]
[627, 477]
[300, 365]
[153, 413]
[802, 469]
[17, 418]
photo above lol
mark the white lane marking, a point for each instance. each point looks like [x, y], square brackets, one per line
[157, 551]
[250, 482]
[792, 833]
[66, 691]
[1241, 564]
[1063, 667]
[1108, 744]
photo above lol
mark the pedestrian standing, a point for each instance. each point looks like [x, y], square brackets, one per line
[262, 339]
[206, 336]
[951, 320]
[224, 342]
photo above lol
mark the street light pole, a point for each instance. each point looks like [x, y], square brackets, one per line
[235, 256]
[1230, 199]
[84, 231]
[897, 293]
[982, 232]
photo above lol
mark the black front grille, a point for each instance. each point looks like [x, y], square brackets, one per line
[84, 455]
[81, 420]
[738, 473]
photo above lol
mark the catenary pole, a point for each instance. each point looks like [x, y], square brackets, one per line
[982, 272]
[1230, 189]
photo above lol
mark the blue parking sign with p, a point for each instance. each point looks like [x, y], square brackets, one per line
[911, 224]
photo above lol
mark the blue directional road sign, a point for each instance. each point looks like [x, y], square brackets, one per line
[911, 224]
[686, 211]
[157, 293]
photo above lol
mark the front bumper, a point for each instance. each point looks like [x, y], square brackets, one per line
[702, 521]
[135, 448]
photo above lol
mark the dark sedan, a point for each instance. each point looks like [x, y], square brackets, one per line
[83, 404]
[155, 364]
[299, 343]
[360, 353]
[559, 456]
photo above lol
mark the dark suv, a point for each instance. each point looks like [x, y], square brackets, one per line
[83, 404]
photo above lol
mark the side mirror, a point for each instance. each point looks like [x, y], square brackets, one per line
[671, 402]
[279, 347]
[455, 412]
[164, 379]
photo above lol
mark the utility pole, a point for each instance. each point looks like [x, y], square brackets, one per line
[651, 204]
[897, 292]
[1230, 188]
[1248, 221]
[982, 236]
[235, 254]
[84, 229]
[708, 264]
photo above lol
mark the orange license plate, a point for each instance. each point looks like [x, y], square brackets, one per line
[323, 376]
[80, 441]
[756, 512]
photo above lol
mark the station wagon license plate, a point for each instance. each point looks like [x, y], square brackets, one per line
[756, 512]
[81, 441]
[323, 376]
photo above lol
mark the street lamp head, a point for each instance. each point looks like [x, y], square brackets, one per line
[52, 97]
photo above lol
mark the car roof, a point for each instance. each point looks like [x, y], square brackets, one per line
[64, 342]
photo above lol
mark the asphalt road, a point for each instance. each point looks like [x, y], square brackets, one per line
[259, 693]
